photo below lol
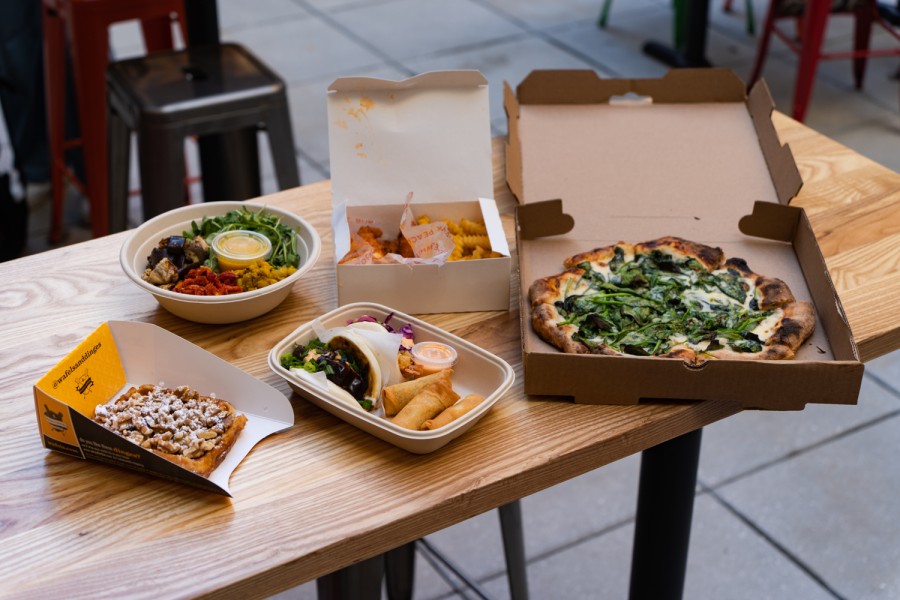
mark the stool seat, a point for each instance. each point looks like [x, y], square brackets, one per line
[196, 78]
[168, 96]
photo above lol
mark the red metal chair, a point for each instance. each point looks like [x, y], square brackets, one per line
[811, 18]
[83, 25]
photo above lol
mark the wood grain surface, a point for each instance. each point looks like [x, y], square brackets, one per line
[323, 494]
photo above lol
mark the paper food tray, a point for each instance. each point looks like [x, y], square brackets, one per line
[477, 371]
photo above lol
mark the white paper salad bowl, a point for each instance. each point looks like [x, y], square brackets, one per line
[477, 371]
[231, 308]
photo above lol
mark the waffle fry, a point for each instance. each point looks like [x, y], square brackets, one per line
[452, 227]
[474, 241]
[470, 227]
[470, 239]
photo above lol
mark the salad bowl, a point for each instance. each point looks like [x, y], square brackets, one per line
[230, 308]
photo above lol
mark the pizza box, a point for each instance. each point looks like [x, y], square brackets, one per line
[121, 354]
[428, 136]
[476, 371]
[595, 161]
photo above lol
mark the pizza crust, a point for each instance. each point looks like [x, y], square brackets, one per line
[597, 256]
[711, 257]
[796, 323]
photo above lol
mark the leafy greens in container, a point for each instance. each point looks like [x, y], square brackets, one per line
[283, 238]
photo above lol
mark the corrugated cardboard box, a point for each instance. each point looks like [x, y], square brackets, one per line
[690, 155]
[119, 354]
[430, 136]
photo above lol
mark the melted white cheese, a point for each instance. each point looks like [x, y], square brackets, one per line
[602, 268]
[709, 299]
[766, 327]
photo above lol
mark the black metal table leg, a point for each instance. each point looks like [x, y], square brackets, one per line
[361, 581]
[514, 549]
[662, 530]
[400, 572]
[693, 53]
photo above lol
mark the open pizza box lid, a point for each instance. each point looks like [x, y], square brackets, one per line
[430, 136]
[596, 161]
[121, 354]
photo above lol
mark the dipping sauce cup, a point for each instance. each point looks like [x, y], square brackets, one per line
[433, 356]
[237, 249]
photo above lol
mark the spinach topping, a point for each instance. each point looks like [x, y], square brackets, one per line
[646, 306]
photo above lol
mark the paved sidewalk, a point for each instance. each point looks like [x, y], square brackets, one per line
[789, 505]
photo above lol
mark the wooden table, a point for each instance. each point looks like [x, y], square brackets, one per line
[73, 528]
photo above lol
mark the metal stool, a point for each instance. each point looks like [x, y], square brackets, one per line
[84, 24]
[168, 96]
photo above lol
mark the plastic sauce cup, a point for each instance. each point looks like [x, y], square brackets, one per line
[237, 249]
[433, 356]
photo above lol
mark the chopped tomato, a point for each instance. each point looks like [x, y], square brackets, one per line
[202, 281]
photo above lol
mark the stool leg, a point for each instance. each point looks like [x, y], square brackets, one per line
[514, 549]
[815, 17]
[90, 54]
[161, 157]
[119, 155]
[751, 18]
[764, 39]
[862, 33]
[157, 33]
[603, 18]
[281, 142]
[55, 86]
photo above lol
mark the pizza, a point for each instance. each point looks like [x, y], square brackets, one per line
[668, 298]
[180, 425]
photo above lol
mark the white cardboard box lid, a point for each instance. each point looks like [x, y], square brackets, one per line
[429, 134]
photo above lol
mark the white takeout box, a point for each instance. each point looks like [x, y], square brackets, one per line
[428, 135]
[477, 371]
[121, 354]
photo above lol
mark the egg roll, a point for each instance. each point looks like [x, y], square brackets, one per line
[454, 412]
[425, 405]
[395, 397]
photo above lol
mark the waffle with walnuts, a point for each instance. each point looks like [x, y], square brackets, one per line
[180, 425]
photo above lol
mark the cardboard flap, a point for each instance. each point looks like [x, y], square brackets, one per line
[771, 221]
[429, 135]
[513, 143]
[542, 219]
[779, 158]
[829, 309]
[587, 87]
